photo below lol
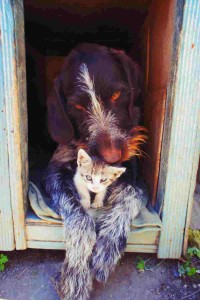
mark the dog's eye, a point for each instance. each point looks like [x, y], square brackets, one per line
[88, 177]
[115, 96]
[80, 107]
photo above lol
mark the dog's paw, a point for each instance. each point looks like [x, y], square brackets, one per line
[102, 276]
[85, 203]
[97, 204]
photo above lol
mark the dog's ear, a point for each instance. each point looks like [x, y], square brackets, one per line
[133, 76]
[59, 125]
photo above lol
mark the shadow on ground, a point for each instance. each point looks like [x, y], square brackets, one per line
[29, 275]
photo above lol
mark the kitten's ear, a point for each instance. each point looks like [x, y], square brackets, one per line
[117, 171]
[83, 157]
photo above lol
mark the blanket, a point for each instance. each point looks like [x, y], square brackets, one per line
[147, 219]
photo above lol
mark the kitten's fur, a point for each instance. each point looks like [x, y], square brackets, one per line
[95, 176]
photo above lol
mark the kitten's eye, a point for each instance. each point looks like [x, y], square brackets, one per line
[88, 177]
[103, 180]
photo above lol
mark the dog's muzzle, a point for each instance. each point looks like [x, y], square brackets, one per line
[109, 147]
[111, 155]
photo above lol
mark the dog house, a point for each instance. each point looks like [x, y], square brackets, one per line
[164, 37]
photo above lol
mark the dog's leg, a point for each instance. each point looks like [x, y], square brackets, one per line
[79, 234]
[113, 227]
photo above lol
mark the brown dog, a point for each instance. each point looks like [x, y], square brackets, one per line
[92, 105]
[116, 84]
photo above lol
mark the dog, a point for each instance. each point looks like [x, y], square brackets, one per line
[92, 106]
[116, 82]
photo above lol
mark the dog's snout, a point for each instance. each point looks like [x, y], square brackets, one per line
[109, 147]
[111, 155]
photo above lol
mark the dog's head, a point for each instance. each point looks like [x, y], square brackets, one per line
[92, 71]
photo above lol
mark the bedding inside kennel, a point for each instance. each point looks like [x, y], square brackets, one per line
[149, 31]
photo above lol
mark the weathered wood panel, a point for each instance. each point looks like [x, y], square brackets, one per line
[61, 246]
[13, 77]
[46, 235]
[46, 245]
[18, 15]
[157, 44]
[141, 248]
[54, 233]
[191, 190]
[178, 10]
[184, 143]
[6, 221]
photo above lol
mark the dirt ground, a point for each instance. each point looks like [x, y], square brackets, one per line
[29, 275]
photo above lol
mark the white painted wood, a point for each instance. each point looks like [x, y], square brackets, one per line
[46, 245]
[54, 233]
[183, 146]
[6, 221]
[141, 248]
[61, 246]
[143, 238]
[13, 83]
[192, 188]
[48, 233]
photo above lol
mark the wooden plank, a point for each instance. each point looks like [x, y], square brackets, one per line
[18, 15]
[141, 248]
[143, 238]
[15, 109]
[154, 121]
[191, 191]
[49, 233]
[45, 231]
[46, 245]
[157, 45]
[6, 221]
[54, 233]
[184, 142]
[178, 9]
[61, 246]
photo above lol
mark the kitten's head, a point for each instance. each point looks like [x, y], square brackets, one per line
[97, 175]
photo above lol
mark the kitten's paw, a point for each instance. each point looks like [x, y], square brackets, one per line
[97, 204]
[85, 203]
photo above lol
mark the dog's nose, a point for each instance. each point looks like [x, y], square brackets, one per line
[111, 155]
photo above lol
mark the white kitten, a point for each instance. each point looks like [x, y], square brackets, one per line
[94, 176]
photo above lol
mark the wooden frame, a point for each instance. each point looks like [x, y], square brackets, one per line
[160, 46]
[13, 124]
[46, 235]
[6, 221]
[180, 140]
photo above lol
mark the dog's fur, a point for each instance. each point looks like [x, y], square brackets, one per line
[81, 108]
[109, 71]
[93, 246]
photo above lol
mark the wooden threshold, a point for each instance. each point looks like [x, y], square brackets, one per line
[42, 234]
